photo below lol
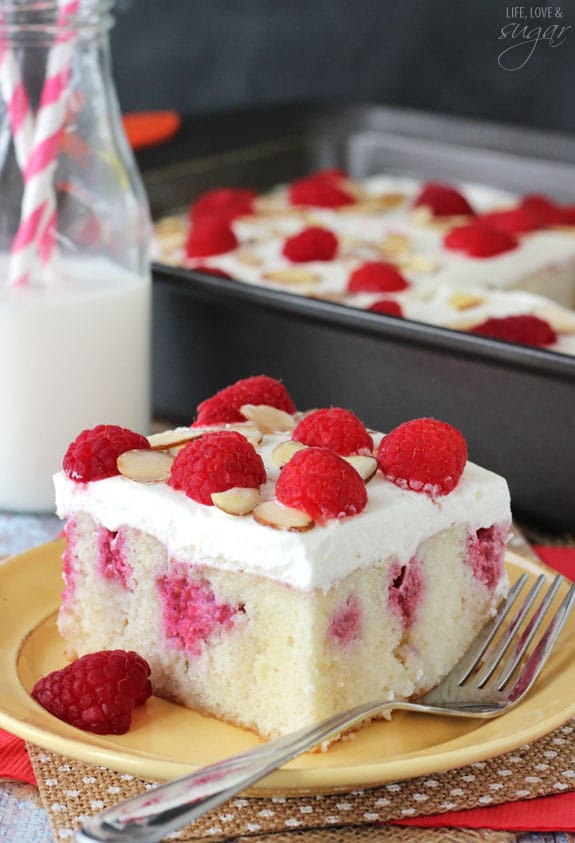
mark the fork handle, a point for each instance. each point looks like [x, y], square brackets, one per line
[147, 818]
[151, 815]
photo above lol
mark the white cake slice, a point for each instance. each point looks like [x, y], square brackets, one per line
[272, 624]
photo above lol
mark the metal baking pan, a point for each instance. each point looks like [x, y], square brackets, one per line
[515, 404]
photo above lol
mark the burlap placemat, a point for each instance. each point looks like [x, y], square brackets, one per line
[72, 791]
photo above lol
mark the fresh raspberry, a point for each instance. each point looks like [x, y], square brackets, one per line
[514, 221]
[548, 211]
[376, 277]
[224, 406]
[226, 203]
[322, 484]
[568, 215]
[97, 692]
[336, 429]
[534, 212]
[210, 236]
[332, 175]
[212, 270]
[94, 452]
[320, 190]
[423, 455]
[443, 201]
[311, 244]
[478, 240]
[387, 306]
[524, 328]
[217, 462]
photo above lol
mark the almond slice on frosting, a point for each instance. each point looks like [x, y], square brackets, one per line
[292, 275]
[280, 517]
[173, 440]
[167, 439]
[462, 300]
[145, 466]
[365, 465]
[283, 452]
[237, 500]
[269, 419]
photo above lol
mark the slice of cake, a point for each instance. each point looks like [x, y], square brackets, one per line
[275, 567]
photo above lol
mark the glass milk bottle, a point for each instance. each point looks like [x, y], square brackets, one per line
[74, 236]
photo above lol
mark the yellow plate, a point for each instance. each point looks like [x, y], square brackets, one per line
[166, 740]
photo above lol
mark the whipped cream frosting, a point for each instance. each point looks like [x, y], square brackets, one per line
[393, 524]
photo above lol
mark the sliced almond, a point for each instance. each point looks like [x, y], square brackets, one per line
[283, 452]
[176, 439]
[280, 517]
[171, 230]
[292, 276]
[236, 501]
[365, 466]
[422, 215]
[269, 419]
[395, 244]
[462, 300]
[247, 258]
[389, 200]
[423, 264]
[145, 466]
[179, 436]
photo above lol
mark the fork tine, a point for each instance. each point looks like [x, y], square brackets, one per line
[528, 634]
[540, 654]
[495, 658]
[486, 636]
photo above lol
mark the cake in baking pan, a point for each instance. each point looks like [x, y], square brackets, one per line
[381, 243]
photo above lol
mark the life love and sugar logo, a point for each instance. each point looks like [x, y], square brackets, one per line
[529, 29]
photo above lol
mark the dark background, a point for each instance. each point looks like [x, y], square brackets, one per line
[199, 56]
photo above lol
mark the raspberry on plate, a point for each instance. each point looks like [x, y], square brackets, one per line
[524, 328]
[376, 277]
[211, 235]
[336, 429]
[443, 200]
[224, 406]
[478, 240]
[311, 244]
[227, 203]
[423, 455]
[322, 484]
[97, 692]
[217, 462]
[94, 452]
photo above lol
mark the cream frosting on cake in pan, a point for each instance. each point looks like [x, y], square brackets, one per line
[385, 223]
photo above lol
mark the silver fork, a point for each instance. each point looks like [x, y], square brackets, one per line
[493, 676]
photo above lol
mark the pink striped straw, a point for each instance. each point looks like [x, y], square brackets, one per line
[21, 118]
[17, 104]
[35, 235]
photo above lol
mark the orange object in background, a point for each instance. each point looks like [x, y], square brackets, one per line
[148, 128]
